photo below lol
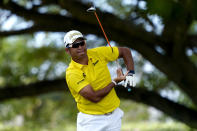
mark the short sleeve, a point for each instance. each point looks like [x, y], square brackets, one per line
[108, 54]
[76, 82]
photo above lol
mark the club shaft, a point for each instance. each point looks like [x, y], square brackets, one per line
[102, 28]
[118, 65]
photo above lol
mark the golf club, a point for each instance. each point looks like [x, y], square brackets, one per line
[93, 9]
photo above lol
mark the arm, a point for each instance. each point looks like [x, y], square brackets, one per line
[96, 96]
[125, 53]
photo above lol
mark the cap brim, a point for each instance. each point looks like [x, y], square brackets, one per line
[82, 38]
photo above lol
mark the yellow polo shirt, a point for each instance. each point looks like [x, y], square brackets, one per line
[97, 74]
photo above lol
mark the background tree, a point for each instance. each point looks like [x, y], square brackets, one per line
[163, 32]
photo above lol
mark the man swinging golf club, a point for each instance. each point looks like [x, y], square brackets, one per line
[90, 83]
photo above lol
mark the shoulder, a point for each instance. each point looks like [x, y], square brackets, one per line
[72, 70]
[106, 53]
[102, 49]
[94, 51]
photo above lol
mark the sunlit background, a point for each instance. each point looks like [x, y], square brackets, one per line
[40, 56]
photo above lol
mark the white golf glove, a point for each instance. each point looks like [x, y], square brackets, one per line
[130, 79]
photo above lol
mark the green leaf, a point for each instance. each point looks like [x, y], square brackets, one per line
[160, 7]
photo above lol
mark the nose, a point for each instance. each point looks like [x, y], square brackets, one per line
[80, 46]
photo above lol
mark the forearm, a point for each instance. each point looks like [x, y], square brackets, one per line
[103, 92]
[128, 60]
[125, 53]
[96, 96]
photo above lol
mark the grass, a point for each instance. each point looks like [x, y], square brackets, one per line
[133, 126]
[155, 126]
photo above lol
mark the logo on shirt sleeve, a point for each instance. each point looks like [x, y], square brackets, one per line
[95, 62]
[84, 76]
[80, 81]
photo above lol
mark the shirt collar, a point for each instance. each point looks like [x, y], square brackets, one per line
[78, 65]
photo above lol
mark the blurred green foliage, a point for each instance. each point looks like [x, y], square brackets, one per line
[159, 7]
[23, 63]
[26, 58]
[57, 112]
[47, 112]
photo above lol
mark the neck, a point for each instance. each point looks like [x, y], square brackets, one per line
[83, 60]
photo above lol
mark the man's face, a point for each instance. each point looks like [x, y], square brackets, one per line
[78, 49]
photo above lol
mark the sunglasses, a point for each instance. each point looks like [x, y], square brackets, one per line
[77, 44]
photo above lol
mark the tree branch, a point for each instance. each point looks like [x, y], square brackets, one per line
[33, 89]
[78, 11]
[181, 71]
[183, 114]
[18, 32]
[177, 111]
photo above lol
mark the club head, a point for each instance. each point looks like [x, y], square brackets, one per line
[91, 9]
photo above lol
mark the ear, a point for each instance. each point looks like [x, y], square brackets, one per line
[67, 51]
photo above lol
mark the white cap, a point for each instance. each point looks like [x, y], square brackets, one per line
[71, 36]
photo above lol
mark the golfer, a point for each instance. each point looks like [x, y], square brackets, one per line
[90, 83]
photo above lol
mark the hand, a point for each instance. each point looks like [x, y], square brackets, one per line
[130, 79]
[120, 77]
